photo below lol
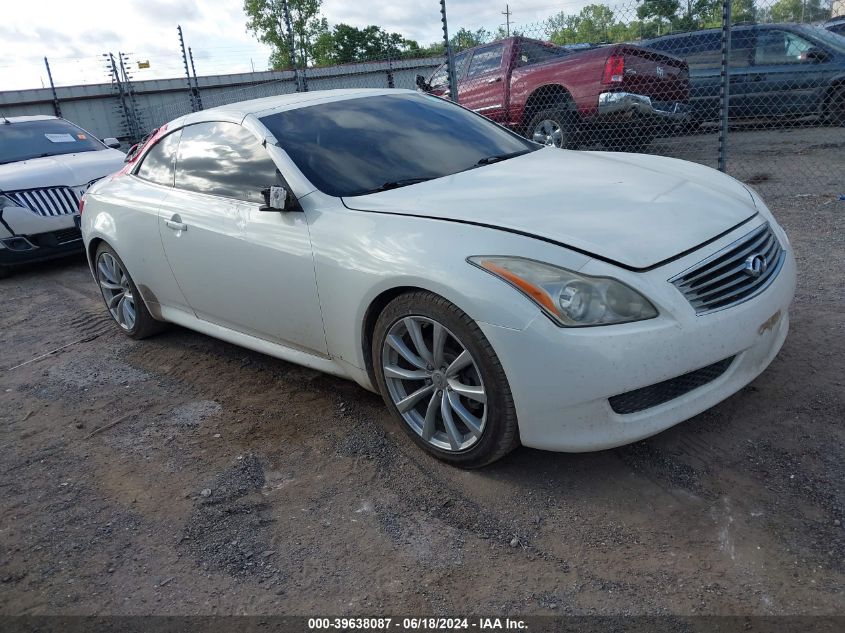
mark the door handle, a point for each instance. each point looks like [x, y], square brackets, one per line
[493, 80]
[176, 225]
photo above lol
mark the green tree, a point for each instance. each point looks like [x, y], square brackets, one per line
[661, 12]
[345, 44]
[465, 38]
[797, 11]
[266, 19]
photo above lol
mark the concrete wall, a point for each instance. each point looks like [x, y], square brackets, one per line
[96, 107]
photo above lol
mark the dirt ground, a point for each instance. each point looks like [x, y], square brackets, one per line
[183, 475]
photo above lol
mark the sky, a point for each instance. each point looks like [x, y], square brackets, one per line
[74, 35]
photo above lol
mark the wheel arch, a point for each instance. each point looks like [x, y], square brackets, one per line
[371, 315]
[830, 92]
[91, 250]
[542, 97]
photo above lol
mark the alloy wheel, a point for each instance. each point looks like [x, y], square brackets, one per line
[435, 383]
[117, 291]
[548, 132]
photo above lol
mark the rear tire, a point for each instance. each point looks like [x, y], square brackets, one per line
[461, 409]
[121, 295]
[5, 271]
[836, 106]
[554, 127]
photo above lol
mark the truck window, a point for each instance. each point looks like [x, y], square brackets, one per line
[536, 52]
[441, 77]
[486, 59]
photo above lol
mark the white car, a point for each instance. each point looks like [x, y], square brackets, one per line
[46, 164]
[494, 291]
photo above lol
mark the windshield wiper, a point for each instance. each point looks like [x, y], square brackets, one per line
[392, 184]
[489, 160]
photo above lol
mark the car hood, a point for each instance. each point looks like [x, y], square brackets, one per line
[69, 170]
[633, 209]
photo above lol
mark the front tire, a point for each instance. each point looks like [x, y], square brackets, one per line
[121, 295]
[440, 377]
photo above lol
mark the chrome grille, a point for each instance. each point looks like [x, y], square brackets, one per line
[49, 201]
[734, 274]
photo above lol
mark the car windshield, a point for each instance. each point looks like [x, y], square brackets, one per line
[50, 137]
[834, 41]
[357, 146]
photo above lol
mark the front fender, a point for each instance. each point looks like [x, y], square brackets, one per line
[359, 255]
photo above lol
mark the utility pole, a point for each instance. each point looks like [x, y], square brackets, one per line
[507, 13]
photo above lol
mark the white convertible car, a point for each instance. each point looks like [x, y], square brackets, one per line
[494, 291]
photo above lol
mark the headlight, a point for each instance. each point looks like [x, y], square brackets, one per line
[571, 299]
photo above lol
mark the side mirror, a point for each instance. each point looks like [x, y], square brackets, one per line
[111, 142]
[277, 198]
[815, 55]
[131, 153]
[422, 84]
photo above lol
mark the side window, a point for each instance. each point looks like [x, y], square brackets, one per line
[460, 64]
[704, 51]
[441, 77]
[224, 159]
[742, 48]
[535, 52]
[780, 47]
[159, 162]
[486, 59]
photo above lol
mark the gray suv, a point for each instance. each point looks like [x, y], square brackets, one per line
[776, 70]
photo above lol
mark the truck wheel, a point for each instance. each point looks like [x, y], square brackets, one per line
[554, 127]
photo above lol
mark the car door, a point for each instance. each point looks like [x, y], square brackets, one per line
[142, 194]
[239, 267]
[783, 80]
[484, 86]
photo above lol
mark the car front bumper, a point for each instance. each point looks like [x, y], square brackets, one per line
[620, 104]
[37, 238]
[562, 378]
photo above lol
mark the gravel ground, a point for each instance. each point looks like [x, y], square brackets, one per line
[183, 475]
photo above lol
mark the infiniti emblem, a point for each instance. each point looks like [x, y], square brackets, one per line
[755, 265]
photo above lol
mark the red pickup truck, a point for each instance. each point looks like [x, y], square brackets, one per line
[621, 95]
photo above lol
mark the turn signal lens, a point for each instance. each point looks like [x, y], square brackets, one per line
[571, 299]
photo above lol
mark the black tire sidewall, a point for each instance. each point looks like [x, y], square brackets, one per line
[837, 106]
[563, 116]
[500, 434]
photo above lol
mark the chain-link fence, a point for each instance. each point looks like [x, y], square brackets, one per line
[736, 85]
[753, 87]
